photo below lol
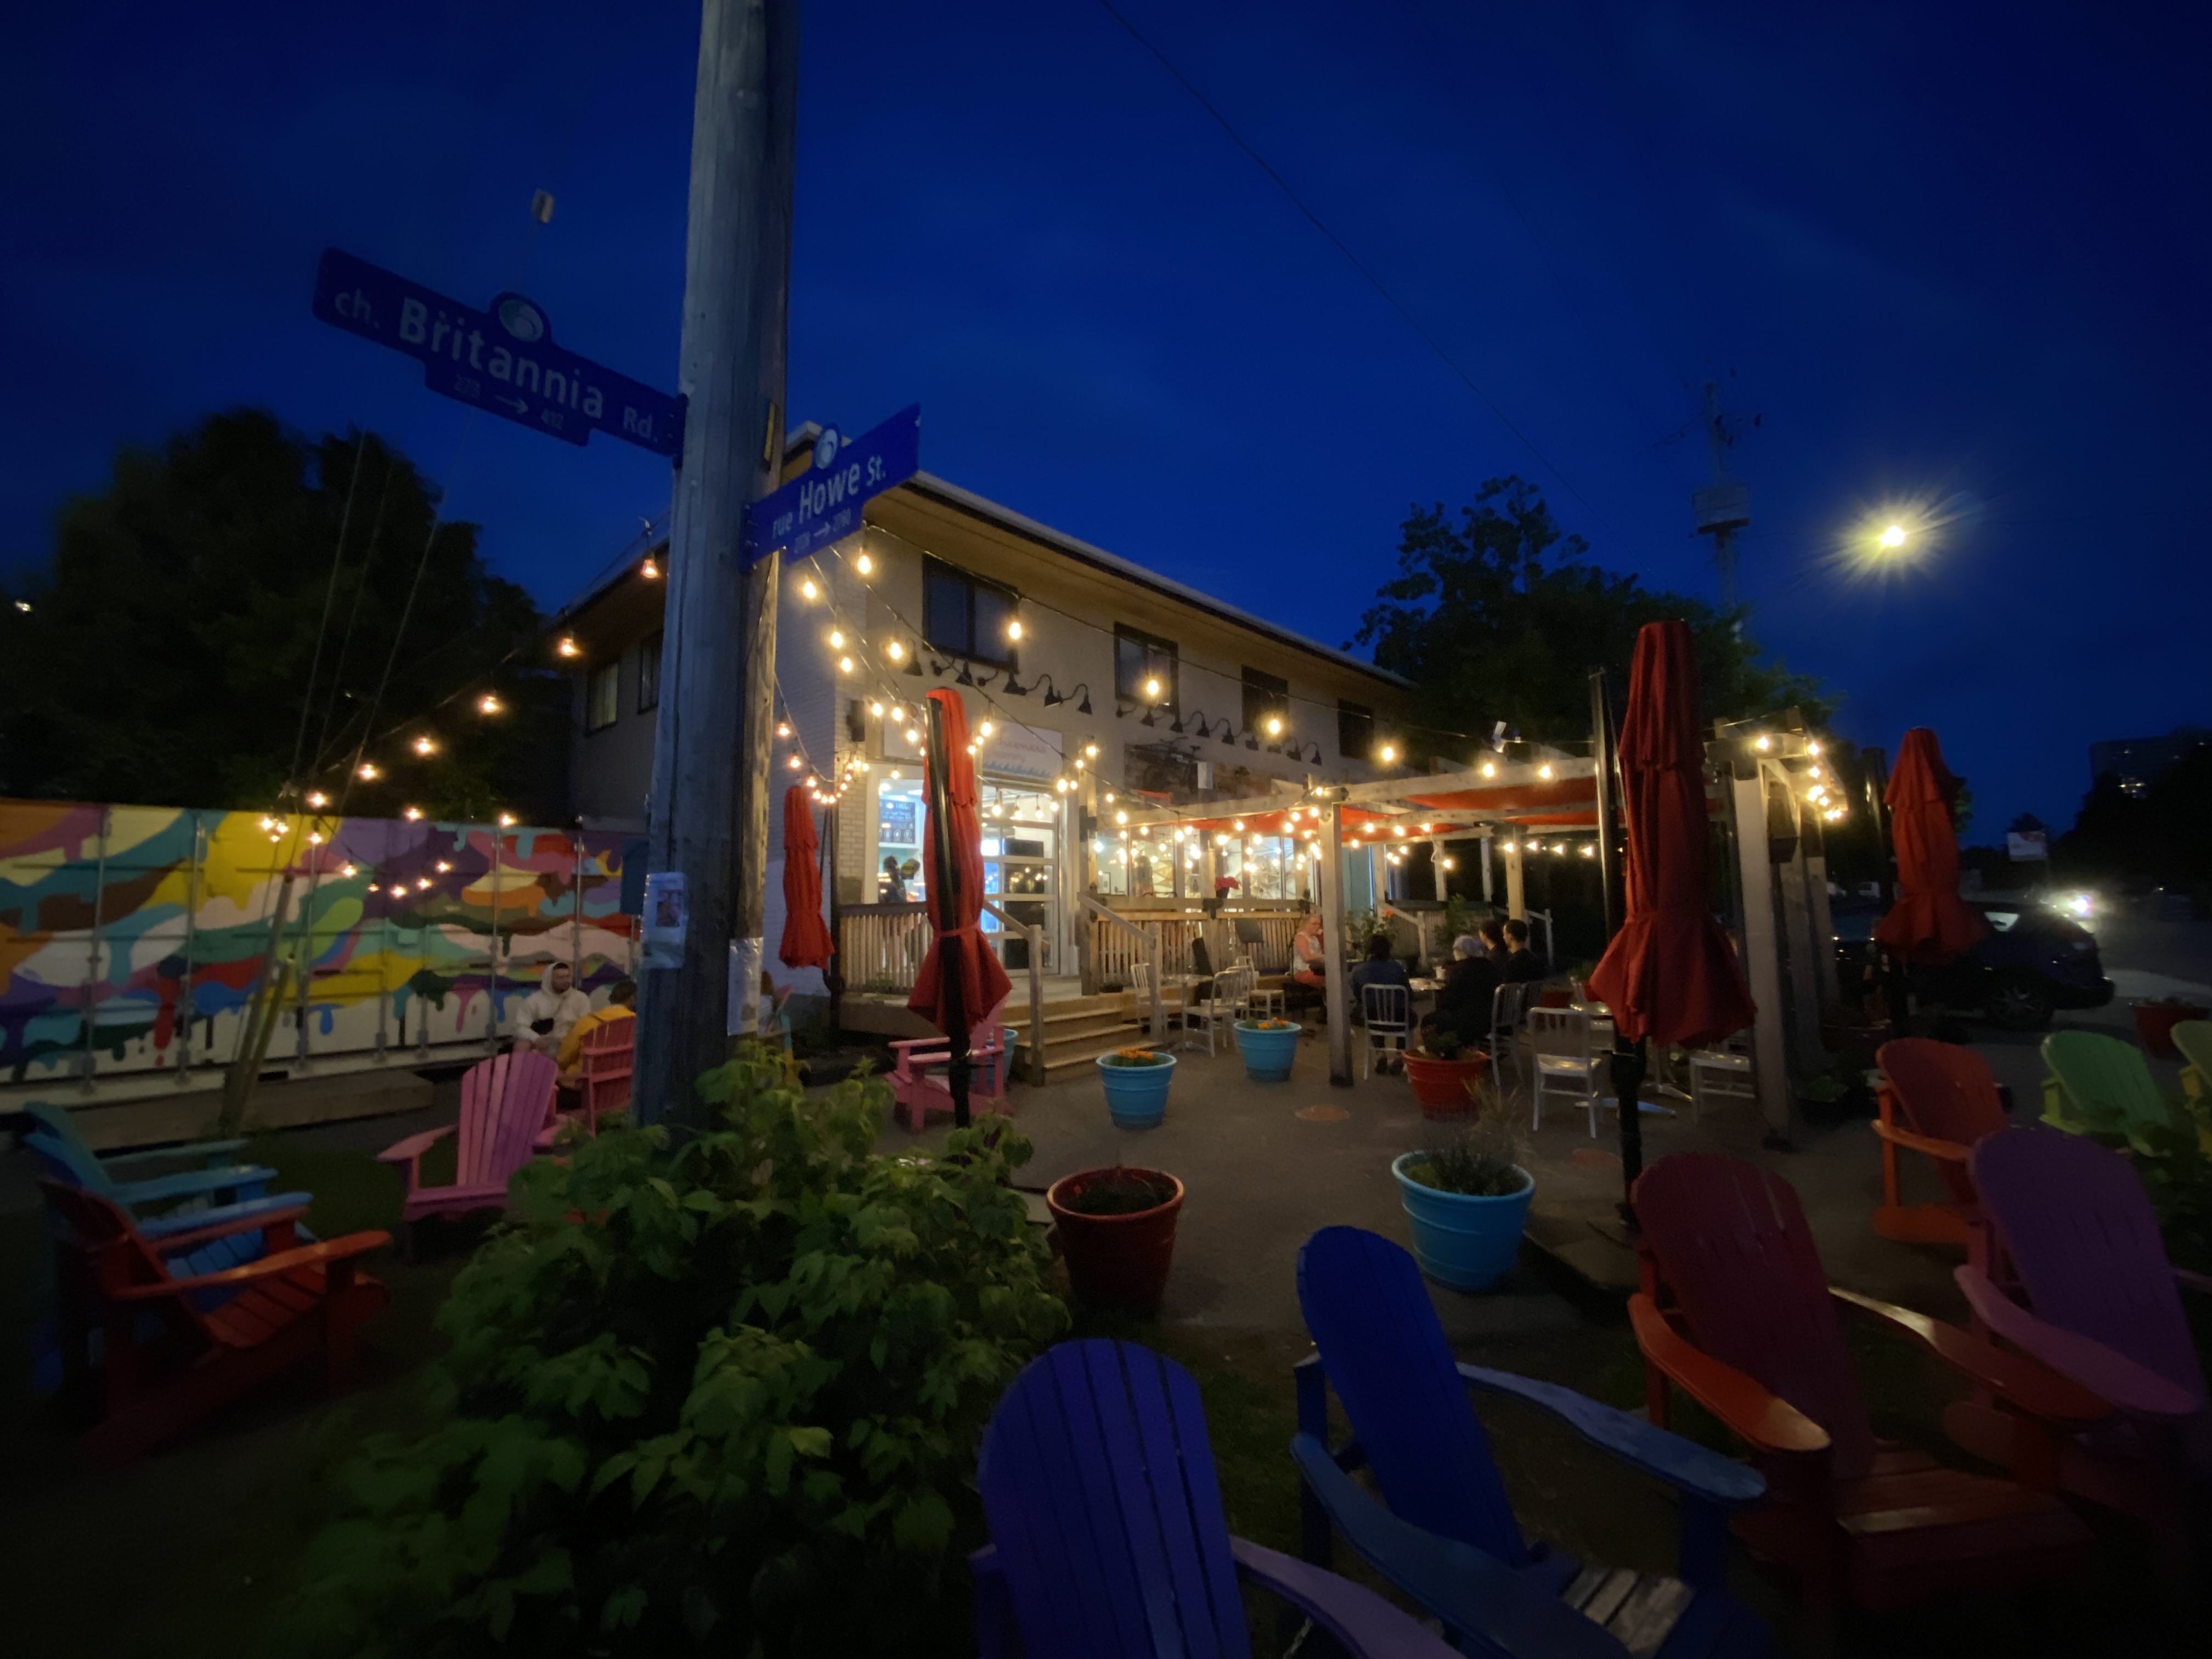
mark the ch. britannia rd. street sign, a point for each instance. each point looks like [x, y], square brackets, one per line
[822, 505]
[502, 360]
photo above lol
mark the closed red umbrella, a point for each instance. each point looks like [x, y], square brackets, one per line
[1930, 923]
[1669, 975]
[960, 979]
[805, 942]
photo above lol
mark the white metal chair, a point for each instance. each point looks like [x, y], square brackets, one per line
[1387, 1011]
[1725, 1073]
[1601, 1016]
[1559, 1044]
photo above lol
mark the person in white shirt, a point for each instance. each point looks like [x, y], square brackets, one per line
[547, 1013]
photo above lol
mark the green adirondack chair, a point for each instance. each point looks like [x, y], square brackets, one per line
[2101, 1083]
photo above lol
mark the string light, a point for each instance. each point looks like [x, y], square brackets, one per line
[807, 589]
[783, 729]
[836, 639]
[1762, 743]
[650, 570]
[488, 704]
[877, 709]
[347, 869]
[865, 565]
[1545, 771]
[444, 868]
[1389, 754]
[422, 882]
[1490, 769]
[316, 799]
[569, 647]
[506, 820]
[792, 762]
[367, 771]
[426, 745]
[844, 665]
[412, 814]
[1014, 627]
[895, 652]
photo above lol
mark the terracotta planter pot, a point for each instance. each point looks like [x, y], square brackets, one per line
[2154, 1023]
[1441, 1085]
[1116, 1261]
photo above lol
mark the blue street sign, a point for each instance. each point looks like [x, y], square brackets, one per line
[822, 505]
[502, 360]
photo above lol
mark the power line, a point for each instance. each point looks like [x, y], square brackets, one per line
[1354, 260]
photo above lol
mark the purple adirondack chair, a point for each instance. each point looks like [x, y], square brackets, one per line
[2077, 1277]
[505, 1101]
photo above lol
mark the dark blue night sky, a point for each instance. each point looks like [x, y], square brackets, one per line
[1958, 258]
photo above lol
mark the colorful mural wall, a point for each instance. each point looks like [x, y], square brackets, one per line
[132, 937]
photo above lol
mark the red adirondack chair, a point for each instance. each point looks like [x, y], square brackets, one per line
[165, 1362]
[2075, 1273]
[505, 1101]
[1737, 1311]
[1936, 1099]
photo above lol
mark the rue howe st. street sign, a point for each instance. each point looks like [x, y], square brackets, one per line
[822, 505]
[502, 360]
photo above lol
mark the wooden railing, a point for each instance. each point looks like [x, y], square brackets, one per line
[1115, 939]
[1035, 936]
[1115, 935]
[880, 946]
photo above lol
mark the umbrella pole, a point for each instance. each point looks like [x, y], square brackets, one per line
[1628, 1066]
[941, 879]
[1628, 1058]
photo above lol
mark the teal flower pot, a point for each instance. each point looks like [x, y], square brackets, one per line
[1136, 1096]
[1267, 1054]
[1466, 1243]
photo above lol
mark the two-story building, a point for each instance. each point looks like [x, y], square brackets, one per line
[1092, 683]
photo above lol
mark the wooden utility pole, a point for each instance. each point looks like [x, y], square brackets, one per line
[711, 749]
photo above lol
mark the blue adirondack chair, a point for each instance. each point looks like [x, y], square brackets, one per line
[1383, 1348]
[1107, 1535]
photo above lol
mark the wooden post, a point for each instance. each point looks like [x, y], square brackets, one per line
[1762, 955]
[1516, 892]
[1337, 997]
[711, 746]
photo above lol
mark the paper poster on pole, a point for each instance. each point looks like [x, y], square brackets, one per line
[747, 956]
[667, 918]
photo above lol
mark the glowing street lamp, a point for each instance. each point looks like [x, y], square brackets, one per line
[1891, 537]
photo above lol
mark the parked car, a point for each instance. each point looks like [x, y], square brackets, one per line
[2033, 960]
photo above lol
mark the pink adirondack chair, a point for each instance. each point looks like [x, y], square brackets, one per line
[917, 1079]
[2074, 1272]
[1936, 1099]
[604, 1065]
[505, 1101]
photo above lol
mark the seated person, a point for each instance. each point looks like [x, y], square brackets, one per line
[1521, 966]
[1310, 957]
[1380, 968]
[548, 1012]
[621, 1001]
[1463, 1000]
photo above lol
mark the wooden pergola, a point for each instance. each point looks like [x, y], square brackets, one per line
[1495, 801]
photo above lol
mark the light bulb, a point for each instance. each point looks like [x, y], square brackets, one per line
[1091, 750]
[1813, 748]
[986, 728]
[1014, 629]
[865, 565]
[316, 799]
[569, 647]
[422, 882]
[895, 652]
[844, 665]
[1120, 818]
[1238, 826]
[1389, 754]
[1511, 848]
[877, 709]
[912, 736]
[650, 570]
[783, 728]
[836, 639]
[808, 590]
[1545, 770]
[444, 868]
[792, 762]
[487, 704]
[1489, 769]
[412, 814]
[1274, 726]
[367, 771]
[346, 870]
[426, 745]
[1763, 743]
[506, 820]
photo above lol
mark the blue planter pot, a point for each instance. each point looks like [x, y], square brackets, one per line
[1267, 1054]
[1469, 1243]
[1136, 1096]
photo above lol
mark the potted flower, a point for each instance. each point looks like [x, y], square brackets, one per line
[1136, 1082]
[1116, 1231]
[2155, 1018]
[1445, 1074]
[1268, 1047]
[1467, 1200]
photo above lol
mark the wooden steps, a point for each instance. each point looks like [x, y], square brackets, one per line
[1076, 1030]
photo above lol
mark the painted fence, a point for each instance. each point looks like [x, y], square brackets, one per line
[131, 938]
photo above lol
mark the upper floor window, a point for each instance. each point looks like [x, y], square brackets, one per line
[1143, 668]
[965, 615]
[1355, 731]
[1265, 695]
[602, 695]
[648, 673]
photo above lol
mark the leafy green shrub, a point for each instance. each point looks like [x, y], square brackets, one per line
[721, 1398]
